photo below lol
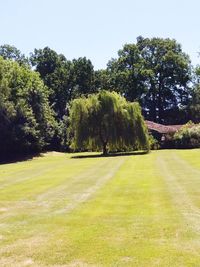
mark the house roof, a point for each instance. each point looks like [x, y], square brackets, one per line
[163, 129]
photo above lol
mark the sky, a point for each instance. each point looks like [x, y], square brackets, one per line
[97, 29]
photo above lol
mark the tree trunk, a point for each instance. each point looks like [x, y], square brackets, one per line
[105, 149]
[160, 104]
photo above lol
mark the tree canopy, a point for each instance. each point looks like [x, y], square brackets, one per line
[65, 79]
[106, 121]
[26, 119]
[157, 73]
[12, 53]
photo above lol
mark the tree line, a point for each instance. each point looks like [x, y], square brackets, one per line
[36, 92]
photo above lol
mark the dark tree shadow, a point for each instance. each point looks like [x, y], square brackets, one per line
[14, 158]
[117, 154]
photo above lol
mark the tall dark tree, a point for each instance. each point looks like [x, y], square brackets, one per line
[54, 70]
[83, 76]
[194, 106]
[102, 80]
[66, 79]
[157, 73]
[46, 61]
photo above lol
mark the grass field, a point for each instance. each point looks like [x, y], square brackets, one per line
[137, 210]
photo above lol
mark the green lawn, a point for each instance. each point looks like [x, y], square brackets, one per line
[137, 210]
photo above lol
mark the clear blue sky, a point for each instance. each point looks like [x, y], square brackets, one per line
[97, 29]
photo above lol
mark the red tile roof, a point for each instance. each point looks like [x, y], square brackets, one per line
[162, 128]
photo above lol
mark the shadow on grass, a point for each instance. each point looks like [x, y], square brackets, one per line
[14, 158]
[117, 154]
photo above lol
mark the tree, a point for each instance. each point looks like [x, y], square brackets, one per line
[106, 121]
[83, 76]
[46, 61]
[157, 73]
[26, 119]
[54, 70]
[102, 80]
[194, 106]
[12, 53]
[65, 79]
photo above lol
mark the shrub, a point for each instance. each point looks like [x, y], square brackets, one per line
[153, 143]
[188, 136]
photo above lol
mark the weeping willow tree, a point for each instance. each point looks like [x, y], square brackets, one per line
[106, 121]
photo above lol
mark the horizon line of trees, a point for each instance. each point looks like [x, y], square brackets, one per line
[36, 91]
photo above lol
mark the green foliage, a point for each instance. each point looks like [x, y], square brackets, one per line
[54, 70]
[82, 73]
[188, 136]
[157, 73]
[194, 107]
[102, 79]
[26, 119]
[153, 143]
[12, 53]
[65, 79]
[107, 121]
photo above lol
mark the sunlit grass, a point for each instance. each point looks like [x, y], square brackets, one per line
[137, 210]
